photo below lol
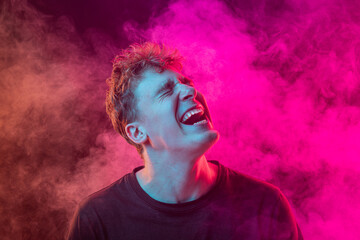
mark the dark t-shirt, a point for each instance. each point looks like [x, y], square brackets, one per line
[237, 207]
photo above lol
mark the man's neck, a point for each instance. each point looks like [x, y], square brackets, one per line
[177, 180]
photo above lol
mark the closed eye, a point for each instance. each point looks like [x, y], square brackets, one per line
[169, 90]
[169, 86]
[167, 93]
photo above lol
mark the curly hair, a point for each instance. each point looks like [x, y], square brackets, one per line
[128, 67]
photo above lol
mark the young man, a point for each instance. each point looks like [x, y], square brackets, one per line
[177, 194]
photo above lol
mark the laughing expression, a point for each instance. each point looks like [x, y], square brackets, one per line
[173, 115]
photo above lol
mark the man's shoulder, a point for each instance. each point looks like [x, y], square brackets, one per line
[269, 203]
[102, 208]
[106, 195]
[249, 185]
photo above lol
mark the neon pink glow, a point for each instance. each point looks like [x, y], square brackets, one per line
[282, 82]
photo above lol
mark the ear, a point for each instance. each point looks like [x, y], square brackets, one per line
[136, 133]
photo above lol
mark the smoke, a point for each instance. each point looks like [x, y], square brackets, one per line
[282, 83]
[57, 145]
[281, 78]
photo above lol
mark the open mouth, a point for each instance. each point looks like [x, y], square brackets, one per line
[194, 116]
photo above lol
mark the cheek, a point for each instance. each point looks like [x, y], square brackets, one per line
[161, 120]
[165, 127]
[164, 133]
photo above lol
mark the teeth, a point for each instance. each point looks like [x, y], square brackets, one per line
[201, 122]
[190, 113]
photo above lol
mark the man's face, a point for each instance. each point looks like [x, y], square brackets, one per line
[173, 114]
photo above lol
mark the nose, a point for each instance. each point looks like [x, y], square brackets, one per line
[187, 92]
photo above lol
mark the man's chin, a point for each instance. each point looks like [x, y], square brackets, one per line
[213, 137]
[206, 141]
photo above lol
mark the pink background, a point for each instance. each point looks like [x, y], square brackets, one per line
[282, 81]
